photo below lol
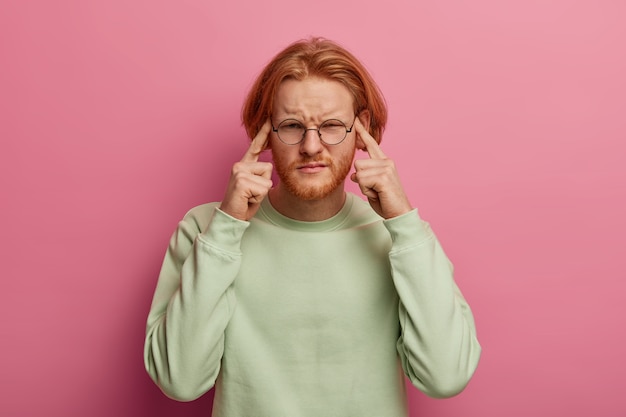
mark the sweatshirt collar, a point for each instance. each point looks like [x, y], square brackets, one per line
[269, 213]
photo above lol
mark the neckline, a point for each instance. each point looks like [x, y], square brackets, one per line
[332, 223]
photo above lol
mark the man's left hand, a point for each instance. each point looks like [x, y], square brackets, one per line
[378, 179]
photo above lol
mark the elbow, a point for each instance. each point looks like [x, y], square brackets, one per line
[180, 392]
[180, 385]
[448, 381]
[184, 389]
[444, 388]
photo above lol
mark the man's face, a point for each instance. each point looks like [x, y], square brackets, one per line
[311, 169]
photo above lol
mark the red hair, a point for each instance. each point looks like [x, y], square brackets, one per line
[315, 57]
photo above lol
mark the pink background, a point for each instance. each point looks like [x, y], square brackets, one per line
[507, 122]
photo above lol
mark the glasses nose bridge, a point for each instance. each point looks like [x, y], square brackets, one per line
[317, 129]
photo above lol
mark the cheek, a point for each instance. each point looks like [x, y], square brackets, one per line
[346, 156]
[352, 144]
[276, 147]
[281, 156]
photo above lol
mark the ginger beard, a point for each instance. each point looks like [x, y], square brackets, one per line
[313, 188]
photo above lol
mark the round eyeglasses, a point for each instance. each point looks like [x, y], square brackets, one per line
[331, 132]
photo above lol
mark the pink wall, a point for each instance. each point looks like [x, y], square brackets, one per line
[508, 124]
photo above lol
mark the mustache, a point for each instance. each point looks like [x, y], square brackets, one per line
[312, 160]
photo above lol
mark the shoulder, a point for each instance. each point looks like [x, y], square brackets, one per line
[361, 213]
[202, 211]
[198, 218]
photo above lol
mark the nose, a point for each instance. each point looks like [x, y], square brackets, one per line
[311, 144]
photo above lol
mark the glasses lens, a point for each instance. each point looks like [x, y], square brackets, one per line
[333, 131]
[290, 131]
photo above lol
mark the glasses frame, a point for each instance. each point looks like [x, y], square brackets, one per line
[319, 134]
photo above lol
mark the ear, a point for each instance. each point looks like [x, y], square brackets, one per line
[364, 117]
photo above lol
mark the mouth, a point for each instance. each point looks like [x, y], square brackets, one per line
[312, 167]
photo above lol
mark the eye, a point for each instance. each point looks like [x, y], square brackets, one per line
[332, 125]
[291, 125]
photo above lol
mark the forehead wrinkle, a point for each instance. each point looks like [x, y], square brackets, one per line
[302, 115]
[312, 101]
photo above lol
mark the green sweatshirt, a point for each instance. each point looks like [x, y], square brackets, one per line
[308, 319]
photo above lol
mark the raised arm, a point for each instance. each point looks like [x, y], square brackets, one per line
[438, 345]
[194, 300]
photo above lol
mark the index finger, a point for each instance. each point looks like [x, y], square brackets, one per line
[371, 146]
[258, 143]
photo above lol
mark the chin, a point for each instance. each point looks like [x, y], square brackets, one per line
[311, 193]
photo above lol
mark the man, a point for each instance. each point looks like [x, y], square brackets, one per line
[297, 298]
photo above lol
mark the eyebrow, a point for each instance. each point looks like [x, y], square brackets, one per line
[296, 116]
[296, 113]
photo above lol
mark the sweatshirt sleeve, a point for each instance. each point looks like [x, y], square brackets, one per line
[193, 303]
[437, 346]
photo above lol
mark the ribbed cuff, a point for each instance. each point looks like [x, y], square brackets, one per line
[224, 232]
[407, 230]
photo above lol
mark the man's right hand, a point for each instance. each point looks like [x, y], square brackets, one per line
[250, 180]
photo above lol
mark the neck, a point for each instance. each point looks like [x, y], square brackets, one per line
[307, 210]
